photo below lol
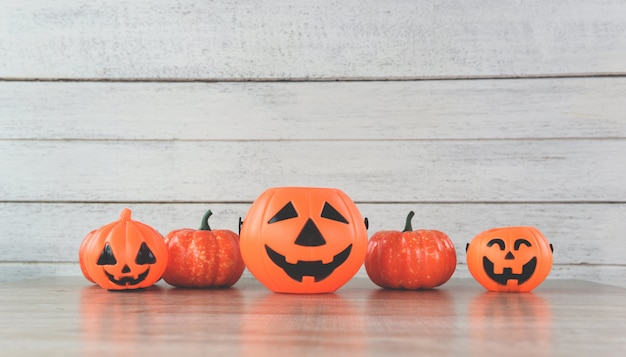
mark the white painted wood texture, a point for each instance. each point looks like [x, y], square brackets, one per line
[128, 115]
[369, 171]
[391, 110]
[235, 39]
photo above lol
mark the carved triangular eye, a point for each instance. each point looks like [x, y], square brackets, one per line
[107, 257]
[145, 256]
[330, 212]
[287, 212]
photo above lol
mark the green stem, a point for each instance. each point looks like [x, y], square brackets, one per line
[204, 226]
[407, 226]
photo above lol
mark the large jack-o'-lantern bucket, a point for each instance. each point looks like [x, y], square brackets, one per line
[303, 239]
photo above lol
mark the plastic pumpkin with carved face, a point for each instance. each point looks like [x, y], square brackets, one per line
[125, 254]
[303, 239]
[509, 259]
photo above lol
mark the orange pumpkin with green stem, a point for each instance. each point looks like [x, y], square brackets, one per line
[411, 259]
[203, 258]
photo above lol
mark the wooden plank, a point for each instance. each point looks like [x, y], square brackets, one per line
[605, 274]
[380, 171]
[232, 39]
[71, 318]
[582, 234]
[485, 109]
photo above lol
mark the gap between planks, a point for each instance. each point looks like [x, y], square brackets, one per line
[320, 79]
[579, 138]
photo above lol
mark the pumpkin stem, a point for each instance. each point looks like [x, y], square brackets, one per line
[407, 226]
[125, 215]
[204, 226]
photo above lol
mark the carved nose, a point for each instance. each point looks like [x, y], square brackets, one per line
[126, 269]
[509, 256]
[310, 236]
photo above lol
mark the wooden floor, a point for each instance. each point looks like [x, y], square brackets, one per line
[68, 316]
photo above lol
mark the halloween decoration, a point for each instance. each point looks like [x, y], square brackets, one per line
[81, 259]
[203, 258]
[303, 239]
[510, 259]
[121, 255]
[411, 259]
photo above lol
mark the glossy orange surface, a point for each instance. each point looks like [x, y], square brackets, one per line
[125, 254]
[510, 259]
[303, 239]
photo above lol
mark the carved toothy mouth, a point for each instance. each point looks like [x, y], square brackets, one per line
[318, 270]
[128, 280]
[527, 271]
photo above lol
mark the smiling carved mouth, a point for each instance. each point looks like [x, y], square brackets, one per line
[127, 280]
[527, 271]
[318, 270]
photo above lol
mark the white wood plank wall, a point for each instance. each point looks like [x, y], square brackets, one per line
[475, 115]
